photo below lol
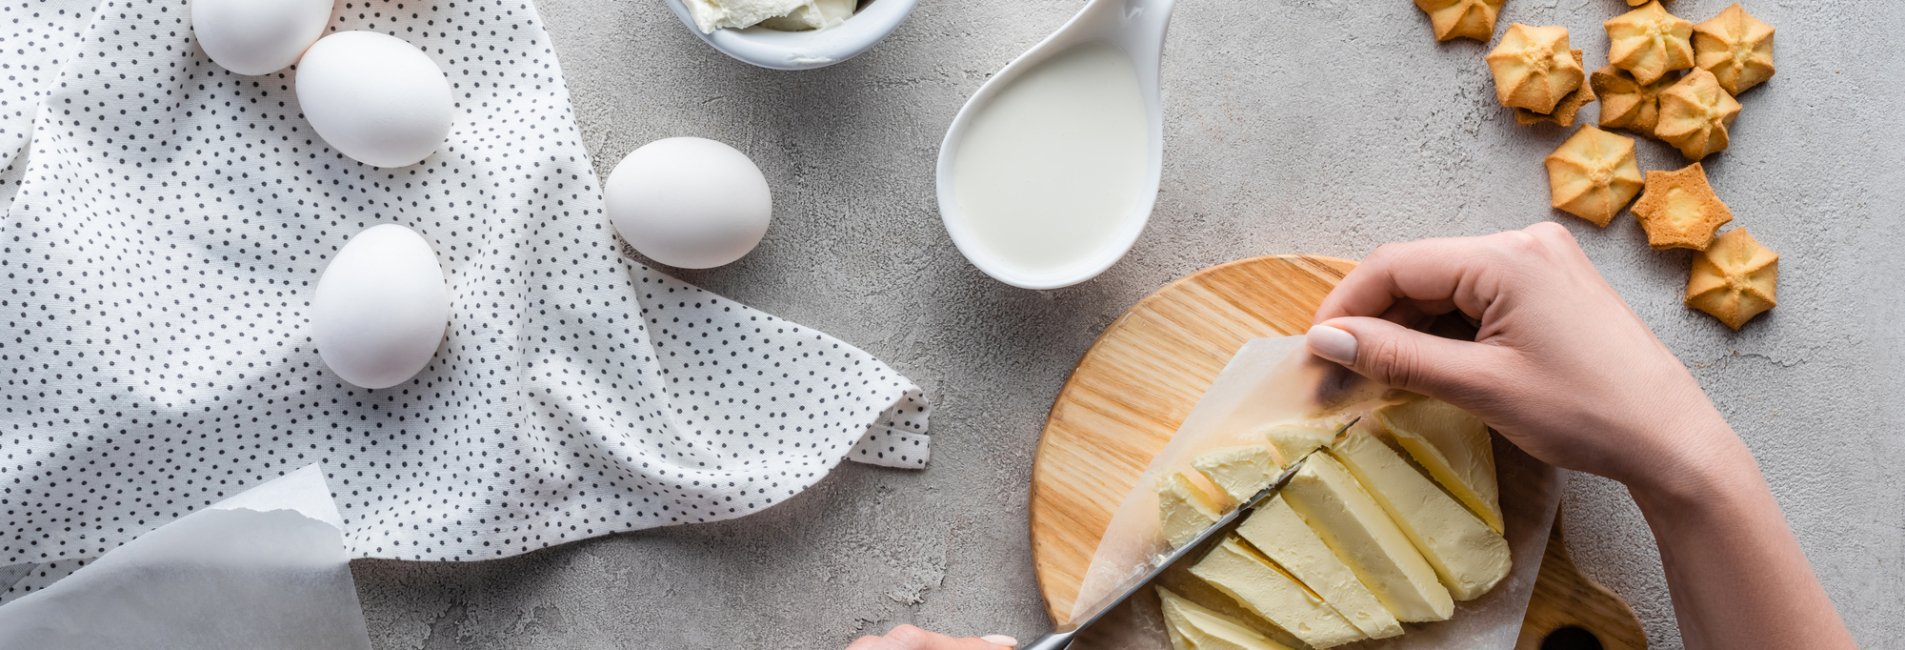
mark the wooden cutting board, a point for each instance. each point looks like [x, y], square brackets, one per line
[1143, 376]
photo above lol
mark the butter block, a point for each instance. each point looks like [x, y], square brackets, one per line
[1281, 535]
[1185, 508]
[1266, 589]
[1467, 556]
[1240, 471]
[1342, 513]
[1454, 447]
[1196, 627]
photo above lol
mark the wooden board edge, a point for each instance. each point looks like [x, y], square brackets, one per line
[1566, 598]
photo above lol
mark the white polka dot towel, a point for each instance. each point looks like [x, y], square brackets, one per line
[163, 223]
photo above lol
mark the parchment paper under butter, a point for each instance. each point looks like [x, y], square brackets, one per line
[1276, 380]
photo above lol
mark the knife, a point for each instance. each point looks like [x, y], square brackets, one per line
[1062, 638]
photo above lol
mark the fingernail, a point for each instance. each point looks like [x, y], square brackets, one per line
[1331, 343]
[1000, 639]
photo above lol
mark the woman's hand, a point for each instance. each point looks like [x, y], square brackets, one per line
[1560, 365]
[907, 637]
[1564, 370]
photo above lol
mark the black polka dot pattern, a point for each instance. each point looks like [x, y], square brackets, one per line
[165, 222]
[38, 576]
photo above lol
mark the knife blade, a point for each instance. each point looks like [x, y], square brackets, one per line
[1063, 637]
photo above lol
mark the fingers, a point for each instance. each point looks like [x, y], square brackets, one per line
[1440, 275]
[1403, 358]
[1411, 314]
[908, 637]
[1431, 272]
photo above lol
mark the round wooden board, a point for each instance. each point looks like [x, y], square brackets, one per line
[1143, 376]
[1137, 383]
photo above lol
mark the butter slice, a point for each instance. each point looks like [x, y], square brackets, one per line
[1266, 589]
[1292, 441]
[1454, 447]
[1185, 509]
[1280, 534]
[1179, 579]
[1468, 556]
[1240, 471]
[1350, 521]
[1195, 627]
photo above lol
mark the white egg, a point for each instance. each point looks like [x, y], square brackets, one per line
[258, 36]
[691, 203]
[381, 307]
[375, 97]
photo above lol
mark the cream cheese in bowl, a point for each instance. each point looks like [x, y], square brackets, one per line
[779, 15]
[792, 34]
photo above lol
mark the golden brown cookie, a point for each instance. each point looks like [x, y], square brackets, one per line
[1628, 104]
[1678, 209]
[1565, 110]
[1462, 18]
[1593, 175]
[1736, 47]
[1735, 279]
[1695, 114]
[1534, 68]
[1649, 42]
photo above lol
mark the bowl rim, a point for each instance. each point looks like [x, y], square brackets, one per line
[778, 50]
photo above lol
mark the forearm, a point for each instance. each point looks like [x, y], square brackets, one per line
[1737, 575]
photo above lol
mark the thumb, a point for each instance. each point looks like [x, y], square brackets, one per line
[1398, 356]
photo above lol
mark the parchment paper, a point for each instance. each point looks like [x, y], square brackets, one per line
[1276, 380]
[264, 569]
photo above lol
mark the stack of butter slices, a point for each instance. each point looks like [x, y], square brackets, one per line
[1391, 523]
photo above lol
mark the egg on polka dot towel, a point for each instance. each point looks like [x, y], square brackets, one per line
[375, 98]
[254, 37]
[381, 307]
[691, 203]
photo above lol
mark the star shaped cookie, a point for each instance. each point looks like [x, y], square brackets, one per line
[1736, 47]
[1695, 114]
[1649, 42]
[1678, 209]
[1735, 279]
[1628, 104]
[1593, 175]
[1534, 68]
[1462, 18]
[1565, 110]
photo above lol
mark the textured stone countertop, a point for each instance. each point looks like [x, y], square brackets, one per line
[1321, 126]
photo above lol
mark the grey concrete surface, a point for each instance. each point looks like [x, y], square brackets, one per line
[1324, 126]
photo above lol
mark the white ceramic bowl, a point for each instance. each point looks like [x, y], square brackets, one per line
[820, 48]
[1134, 27]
